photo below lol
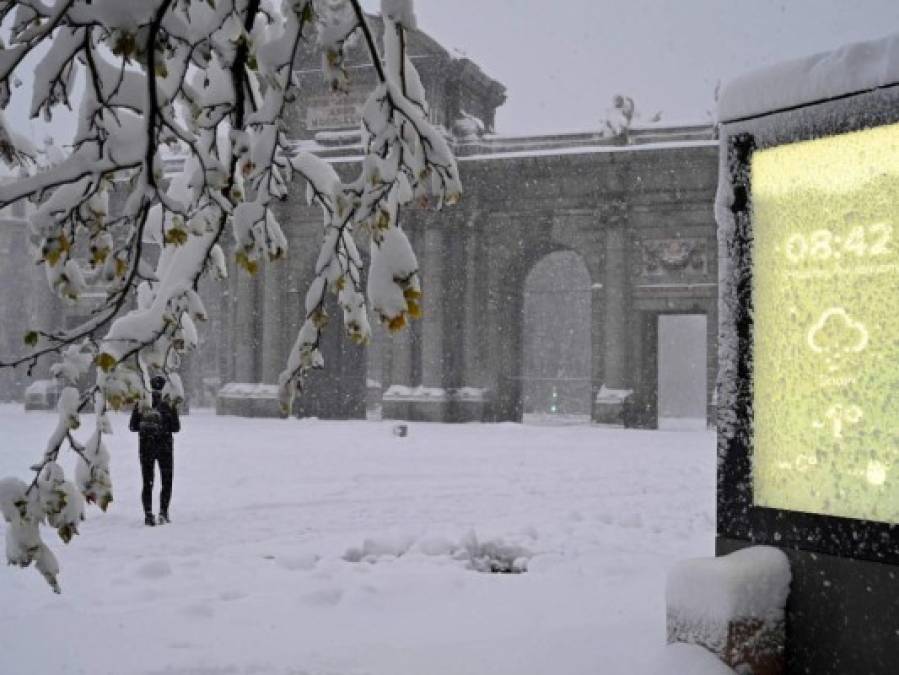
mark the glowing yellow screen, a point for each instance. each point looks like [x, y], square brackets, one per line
[826, 321]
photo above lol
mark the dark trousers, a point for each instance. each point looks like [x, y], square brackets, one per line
[148, 459]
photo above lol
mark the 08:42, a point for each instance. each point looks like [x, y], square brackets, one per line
[861, 241]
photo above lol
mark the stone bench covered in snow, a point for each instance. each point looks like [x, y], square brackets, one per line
[248, 399]
[734, 606]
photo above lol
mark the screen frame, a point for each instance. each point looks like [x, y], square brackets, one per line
[738, 517]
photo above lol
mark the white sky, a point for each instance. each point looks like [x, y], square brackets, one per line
[563, 60]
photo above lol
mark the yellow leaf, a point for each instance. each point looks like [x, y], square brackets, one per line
[52, 256]
[414, 309]
[175, 236]
[397, 323]
[124, 46]
[66, 532]
[319, 318]
[243, 260]
[105, 361]
[358, 338]
[98, 256]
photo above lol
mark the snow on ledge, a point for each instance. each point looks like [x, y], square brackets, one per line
[248, 390]
[853, 68]
[612, 396]
[399, 392]
[752, 583]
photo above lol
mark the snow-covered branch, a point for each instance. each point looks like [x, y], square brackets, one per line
[211, 80]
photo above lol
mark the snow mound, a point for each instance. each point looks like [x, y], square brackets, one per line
[708, 597]
[492, 556]
[854, 68]
[749, 584]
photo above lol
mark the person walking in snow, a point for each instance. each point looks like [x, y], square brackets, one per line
[155, 426]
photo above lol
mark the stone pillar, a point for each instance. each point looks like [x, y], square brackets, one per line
[45, 313]
[16, 282]
[433, 301]
[473, 306]
[597, 335]
[228, 327]
[401, 358]
[272, 321]
[244, 333]
[615, 294]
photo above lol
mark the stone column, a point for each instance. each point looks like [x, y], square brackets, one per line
[615, 295]
[45, 313]
[16, 282]
[243, 335]
[597, 335]
[433, 301]
[272, 321]
[473, 306]
[228, 327]
[401, 358]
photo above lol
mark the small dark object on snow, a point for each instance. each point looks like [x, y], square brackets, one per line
[401, 430]
[149, 520]
[163, 519]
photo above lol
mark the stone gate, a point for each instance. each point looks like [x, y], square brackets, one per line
[636, 208]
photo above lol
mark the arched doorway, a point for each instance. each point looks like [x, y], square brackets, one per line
[556, 340]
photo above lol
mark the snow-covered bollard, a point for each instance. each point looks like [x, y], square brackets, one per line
[734, 606]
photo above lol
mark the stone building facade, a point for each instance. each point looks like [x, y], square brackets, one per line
[636, 210]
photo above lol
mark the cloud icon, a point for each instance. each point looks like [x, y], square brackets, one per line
[836, 334]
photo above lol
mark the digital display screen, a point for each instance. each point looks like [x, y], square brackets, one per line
[826, 325]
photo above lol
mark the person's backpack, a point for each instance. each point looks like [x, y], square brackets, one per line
[151, 422]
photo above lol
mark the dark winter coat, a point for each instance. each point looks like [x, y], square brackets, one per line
[155, 425]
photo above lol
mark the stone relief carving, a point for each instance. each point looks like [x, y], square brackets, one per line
[671, 258]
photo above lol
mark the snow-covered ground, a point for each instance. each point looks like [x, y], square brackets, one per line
[337, 548]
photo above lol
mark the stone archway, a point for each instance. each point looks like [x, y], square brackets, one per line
[556, 337]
